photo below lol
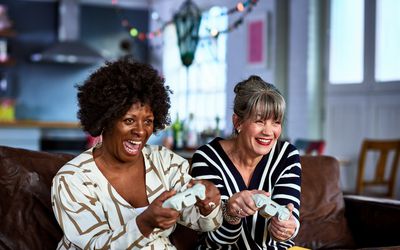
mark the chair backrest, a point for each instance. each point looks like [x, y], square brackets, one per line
[384, 150]
[310, 147]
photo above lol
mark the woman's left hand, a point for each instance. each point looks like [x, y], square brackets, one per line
[282, 230]
[212, 200]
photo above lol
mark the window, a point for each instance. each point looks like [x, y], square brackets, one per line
[359, 24]
[346, 42]
[387, 40]
[199, 89]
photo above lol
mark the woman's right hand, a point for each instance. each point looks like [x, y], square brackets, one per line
[241, 204]
[156, 216]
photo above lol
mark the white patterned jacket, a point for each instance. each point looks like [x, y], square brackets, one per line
[93, 215]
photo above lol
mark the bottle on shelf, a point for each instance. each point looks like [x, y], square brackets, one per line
[5, 22]
[7, 102]
[190, 133]
[217, 131]
[6, 32]
[177, 129]
[3, 50]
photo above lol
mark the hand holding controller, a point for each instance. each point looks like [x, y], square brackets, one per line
[186, 198]
[270, 207]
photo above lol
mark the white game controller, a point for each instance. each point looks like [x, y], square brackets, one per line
[186, 198]
[270, 208]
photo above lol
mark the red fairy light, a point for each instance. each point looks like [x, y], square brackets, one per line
[142, 36]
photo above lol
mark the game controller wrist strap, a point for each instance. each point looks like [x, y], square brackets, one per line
[230, 219]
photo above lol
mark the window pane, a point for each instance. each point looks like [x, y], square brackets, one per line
[387, 40]
[346, 48]
[201, 89]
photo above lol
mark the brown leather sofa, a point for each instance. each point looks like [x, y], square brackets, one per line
[329, 221]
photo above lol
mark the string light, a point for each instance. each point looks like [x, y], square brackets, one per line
[240, 7]
[155, 16]
[214, 32]
[134, 32]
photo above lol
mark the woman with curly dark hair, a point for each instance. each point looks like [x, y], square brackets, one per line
[111, 195]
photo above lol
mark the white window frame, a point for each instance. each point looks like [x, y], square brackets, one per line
[369, 84]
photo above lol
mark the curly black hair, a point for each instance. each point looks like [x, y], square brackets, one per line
[111, 90]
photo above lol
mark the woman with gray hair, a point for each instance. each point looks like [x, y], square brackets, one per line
[253, 163]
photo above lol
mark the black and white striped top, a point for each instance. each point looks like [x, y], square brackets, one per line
[278, 172]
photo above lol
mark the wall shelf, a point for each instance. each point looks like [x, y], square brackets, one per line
[39, 124]
[8, 33]
[8, 63]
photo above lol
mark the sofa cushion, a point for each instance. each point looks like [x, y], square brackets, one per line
[25, 208]
[323, 224]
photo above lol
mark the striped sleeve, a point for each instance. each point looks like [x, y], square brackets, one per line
[287, 189]
[206, 164]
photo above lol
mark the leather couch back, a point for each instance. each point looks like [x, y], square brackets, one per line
[27, 220]
[323, 224]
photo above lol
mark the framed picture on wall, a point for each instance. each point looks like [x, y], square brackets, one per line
[256, 40]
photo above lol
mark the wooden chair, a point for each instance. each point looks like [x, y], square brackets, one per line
[384, 150]
[310, 147]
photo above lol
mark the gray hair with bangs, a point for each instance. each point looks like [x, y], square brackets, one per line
[257, 99]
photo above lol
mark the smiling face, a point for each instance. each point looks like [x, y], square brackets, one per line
[259, 110]
[130, 133]
[257, 136]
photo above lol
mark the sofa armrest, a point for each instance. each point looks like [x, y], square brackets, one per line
[373, 221]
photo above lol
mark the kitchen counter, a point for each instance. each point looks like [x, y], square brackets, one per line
[30, 134]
